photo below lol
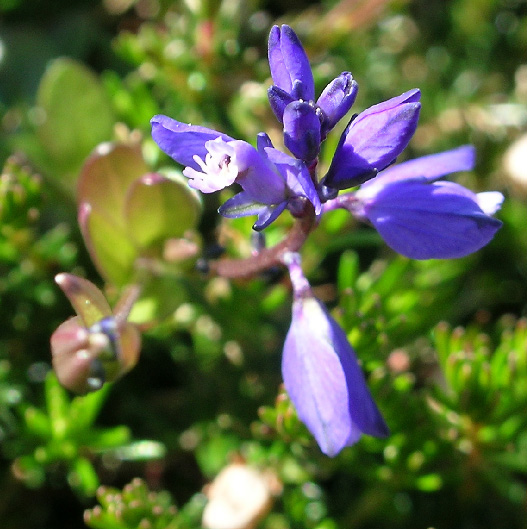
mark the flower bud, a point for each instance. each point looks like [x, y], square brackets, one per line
[95, 346]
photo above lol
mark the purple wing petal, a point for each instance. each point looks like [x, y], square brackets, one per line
[268, 215]
[336, 100]
[288, 62]
[430, 221]
[324, 380]
[240, 205]
[258, 176]
[302, 130]
[296, 175]
[373, 140]
[431, 167]
[182, 141]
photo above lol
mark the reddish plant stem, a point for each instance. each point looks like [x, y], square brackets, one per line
[268, 257]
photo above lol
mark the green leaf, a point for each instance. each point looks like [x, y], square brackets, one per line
[57, 404]
[348, 270]
[106, 177]
[109, 245]
[77, 113]
[144, 450]
[159, 208]
[107, 438]
[83, 478]
[87, 300]
[160, 296]
[37, 422]
[84, 410]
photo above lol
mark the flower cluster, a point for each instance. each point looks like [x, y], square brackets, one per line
[416, 213]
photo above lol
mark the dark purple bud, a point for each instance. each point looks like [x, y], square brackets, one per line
[278, 99]
[336, 100]
[289, 63]
[302, 130]
[373, 140]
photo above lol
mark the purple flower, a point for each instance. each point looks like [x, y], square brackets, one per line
[322, 376]
[292, 97]
[424, 219]
[373, 140]
[271, 180]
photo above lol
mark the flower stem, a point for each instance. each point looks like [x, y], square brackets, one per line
[268, 257]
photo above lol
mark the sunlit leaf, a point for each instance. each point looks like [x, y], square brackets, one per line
[76, 112]
[106, 177]
[160, 208]
[109, 246]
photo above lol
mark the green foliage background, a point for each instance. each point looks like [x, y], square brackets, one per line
[444, 343]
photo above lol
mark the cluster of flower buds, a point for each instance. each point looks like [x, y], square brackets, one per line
[417, 215]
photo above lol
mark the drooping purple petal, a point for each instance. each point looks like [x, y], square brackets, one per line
[441, 220]
[288, 62]
[324, 380]
[336, 100]
[302, 130]
[182, 141]
[373, 140]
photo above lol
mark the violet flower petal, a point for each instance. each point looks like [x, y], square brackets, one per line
[302, 130]
[279, 99]
[269, 214]
[263, 141]
[182, 141]
[288, 62]
[296, 176]
[242, 205]
[324, 381]
[259, 177]
[336, 100]
[431, 167]
[373, 140]
[430, 221]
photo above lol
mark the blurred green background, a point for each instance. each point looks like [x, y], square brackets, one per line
[443, 343]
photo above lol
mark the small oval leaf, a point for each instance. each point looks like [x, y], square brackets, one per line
[160, 208]
[77, 112]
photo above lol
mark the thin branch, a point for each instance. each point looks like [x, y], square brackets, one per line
[268, 257]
